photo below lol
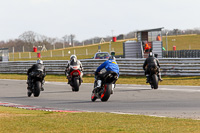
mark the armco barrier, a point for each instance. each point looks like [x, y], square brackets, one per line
[169, 66]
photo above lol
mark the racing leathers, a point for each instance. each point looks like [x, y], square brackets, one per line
[110, 66]
[68, 70]
[35, 68]
[148, 64]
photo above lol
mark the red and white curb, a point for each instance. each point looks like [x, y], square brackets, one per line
[6, 104]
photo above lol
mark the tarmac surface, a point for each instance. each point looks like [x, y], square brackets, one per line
[167, 101]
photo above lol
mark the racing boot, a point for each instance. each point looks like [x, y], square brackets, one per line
[29, 89]
[148, 79]
[159, 77]
[98, 83]
[29, 93]
[43, 82]
[28, 85]
[69, 79]
[66, 75]
[81, 79]
[113, 86]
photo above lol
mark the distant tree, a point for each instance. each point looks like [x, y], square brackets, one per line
[175, 31]
[29, 37]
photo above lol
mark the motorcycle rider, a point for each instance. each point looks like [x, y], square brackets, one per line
[111, 67]
[73, 61]
[150, 62]
[38, 66]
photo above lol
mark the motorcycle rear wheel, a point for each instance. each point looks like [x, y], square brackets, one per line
[37, 88]
[155, 81]
[76, 84]
[106, 92]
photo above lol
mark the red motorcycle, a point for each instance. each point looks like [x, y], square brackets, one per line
[75, 77]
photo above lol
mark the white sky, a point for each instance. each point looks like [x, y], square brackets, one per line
[90, 18]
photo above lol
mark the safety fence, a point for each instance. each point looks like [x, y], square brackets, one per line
[169, 66]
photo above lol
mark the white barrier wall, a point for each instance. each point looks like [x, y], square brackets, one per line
[169, 66]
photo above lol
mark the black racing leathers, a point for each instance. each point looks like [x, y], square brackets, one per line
[35, 68]
[150, 62]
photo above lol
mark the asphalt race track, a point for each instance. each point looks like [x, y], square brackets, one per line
[167, 101]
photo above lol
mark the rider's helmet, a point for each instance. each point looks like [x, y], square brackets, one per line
[151, 54]
[73, 57]
[111, 57]
[39, 61]
[73, 60]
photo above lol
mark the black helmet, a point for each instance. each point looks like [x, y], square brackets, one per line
[156, 55]
[111, 57]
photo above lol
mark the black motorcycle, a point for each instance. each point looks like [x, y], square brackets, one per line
[75, 77]
[106, 89]
[36, 83]
[153, 77]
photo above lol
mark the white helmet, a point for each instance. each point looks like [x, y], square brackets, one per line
[151, 54]
[39, 61]
[73, 57]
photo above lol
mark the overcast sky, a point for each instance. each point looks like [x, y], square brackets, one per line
[90, 18]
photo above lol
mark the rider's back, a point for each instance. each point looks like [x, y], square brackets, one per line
[37, 67]
[151, 61]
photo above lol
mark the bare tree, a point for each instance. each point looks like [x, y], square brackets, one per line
[29, 37]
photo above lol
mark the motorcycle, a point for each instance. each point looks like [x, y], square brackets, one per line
[106, 89]
[153, 79]
[75, 77]
[35, 83]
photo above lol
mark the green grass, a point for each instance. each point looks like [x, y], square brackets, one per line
[184, 42]
[20, 120]
[140, 80]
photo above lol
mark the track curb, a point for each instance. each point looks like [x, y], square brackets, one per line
[28, 107]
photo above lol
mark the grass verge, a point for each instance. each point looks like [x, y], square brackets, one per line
[167, 80]
[20, 120]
